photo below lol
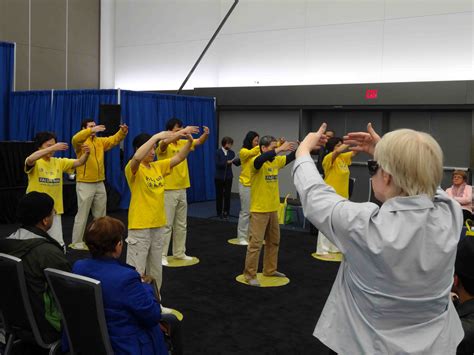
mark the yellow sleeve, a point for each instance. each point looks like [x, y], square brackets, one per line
[67, 165]
[281, 161]
[79, 138]
[26, 170]
[347, 157]
[110, 142]
[128, 173]
[246, 154]
[164, 165]
[327, 163]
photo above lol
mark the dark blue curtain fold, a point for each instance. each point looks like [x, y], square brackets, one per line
[30, 112]
[148, 112]
[7, 59]
[70, 107]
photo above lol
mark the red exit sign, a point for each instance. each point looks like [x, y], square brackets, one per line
[371, 94]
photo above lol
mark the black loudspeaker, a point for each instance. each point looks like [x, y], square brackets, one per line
[109, 116]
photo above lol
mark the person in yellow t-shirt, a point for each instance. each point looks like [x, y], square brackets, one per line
[176, 183]
[90, 188]
[45, 174]
[264, 203]
[336, 174]
[146, 214]
[250, 149]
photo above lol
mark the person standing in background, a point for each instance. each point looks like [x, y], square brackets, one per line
[90, 177]
[45, 174]
[323, 152]
[250, 149]
[176, 183]
[225, 157]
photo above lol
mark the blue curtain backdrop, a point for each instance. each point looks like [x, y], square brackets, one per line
[30, 112]
[148, 112]
[70, 107]
[7, 57]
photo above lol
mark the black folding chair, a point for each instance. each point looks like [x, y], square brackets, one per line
[79, 300]
[19, 320]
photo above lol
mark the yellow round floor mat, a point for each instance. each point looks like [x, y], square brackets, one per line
[329, 257]
[177, 314]
[266, 281]
[235, 241]
[172, 262]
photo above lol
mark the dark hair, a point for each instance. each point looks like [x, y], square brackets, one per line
[250, 136]
[332, 142]
[34, 207]
[463, 266]
[103, 234]
[85, 121]
[42, 137]
[227, 140]
[172, 123]
[139, 140]
[265, 141]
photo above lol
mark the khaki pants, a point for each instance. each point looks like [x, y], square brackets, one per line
[244, 214]
[56, 230]
[176, 207]
[263, 226]
[90, 195]
[144, 249]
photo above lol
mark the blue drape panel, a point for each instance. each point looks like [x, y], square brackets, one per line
[148, 112]
[70, 107]
[7, 57]
[30, 112]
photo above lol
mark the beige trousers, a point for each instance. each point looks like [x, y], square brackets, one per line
[144, 250]
[176, 207]
[263, 226]
[324, 246]
[90, 196]
[56, 230]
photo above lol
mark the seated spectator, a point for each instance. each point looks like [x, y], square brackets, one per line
[38, 251]
[463, 286]
[461, 192]
[131, 310]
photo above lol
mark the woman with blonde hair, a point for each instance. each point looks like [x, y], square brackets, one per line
[391, 294]
[461, 192]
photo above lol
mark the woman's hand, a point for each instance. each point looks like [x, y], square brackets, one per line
[363, 141]
[313, 141]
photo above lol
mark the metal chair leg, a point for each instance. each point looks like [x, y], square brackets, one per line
[9, 345]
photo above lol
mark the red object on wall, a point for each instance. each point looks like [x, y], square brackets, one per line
[371, 94]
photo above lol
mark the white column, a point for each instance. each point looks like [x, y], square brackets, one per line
[107, 44]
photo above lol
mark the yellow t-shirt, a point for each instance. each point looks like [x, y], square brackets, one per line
[147, 187]
[246, 161]
[264, 192]
[179, 177]
[47, 176]
[337, 174]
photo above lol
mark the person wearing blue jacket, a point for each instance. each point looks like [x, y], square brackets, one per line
[225, 157]
[131, 310]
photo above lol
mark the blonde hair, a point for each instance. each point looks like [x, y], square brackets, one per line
[413, 159]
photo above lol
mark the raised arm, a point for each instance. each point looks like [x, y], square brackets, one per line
[85, 155]
[142, 152]
[262, 158]
[183, 153]
[33, 157]
[177, 135]
[80, 137]
[203, 137]
[363, 141]
[112, 141]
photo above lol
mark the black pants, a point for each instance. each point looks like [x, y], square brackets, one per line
[174, 333]
[223, 189]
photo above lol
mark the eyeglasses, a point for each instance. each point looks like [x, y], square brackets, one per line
[373, 166]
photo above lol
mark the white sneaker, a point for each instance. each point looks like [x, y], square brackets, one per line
[243, 242]
[164, 261]
[184, 258]
[166, 310]
[79, 246]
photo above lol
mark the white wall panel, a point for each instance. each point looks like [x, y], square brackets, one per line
[341, 53]
[329, 12]
[412, 8]
[261, 58]
[428, 48]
